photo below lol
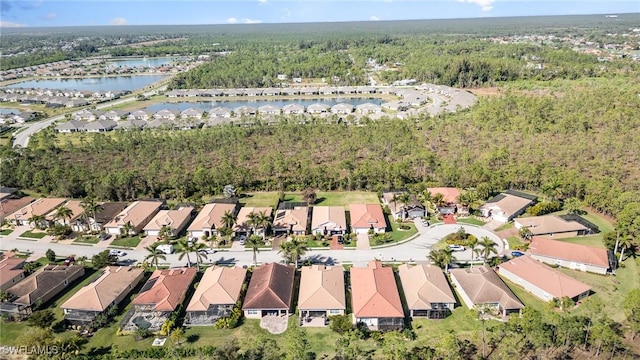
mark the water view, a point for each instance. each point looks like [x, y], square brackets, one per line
[104, 83]
[10, 111]
[207, 105]
[149, 62]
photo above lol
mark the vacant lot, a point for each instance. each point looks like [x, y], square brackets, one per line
[323, 198]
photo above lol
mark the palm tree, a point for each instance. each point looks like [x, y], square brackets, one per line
[473, 245]
[200, 255]
[404, 199]
[263, 221]
[90, 205]
[126, 229]
[184, 249]
[228, 219]
[63, 213]
[442, 258]
[487, 247]
[624, 244]
[438, 200]
[37, 220]
[254, 242]
[154, 254]
[252, 221]
[165, 233]
[294, 249]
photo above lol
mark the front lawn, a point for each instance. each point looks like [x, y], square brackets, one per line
[6, 232]
[396, 234]
[470, 220]
[86, 240]
[506, 226]
[515, 243]
[33, 235]
[129, 242]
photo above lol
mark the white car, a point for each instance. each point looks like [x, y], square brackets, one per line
[457, 248]
[115, 252]
[208, 251]
[243, 239]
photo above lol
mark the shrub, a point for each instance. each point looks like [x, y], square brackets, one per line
[340, 323]
[51, 255]
[544, 207]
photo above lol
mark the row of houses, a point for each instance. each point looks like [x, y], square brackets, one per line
[58, 98]
[19, 118]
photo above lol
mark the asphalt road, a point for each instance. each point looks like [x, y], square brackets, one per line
[416, 249]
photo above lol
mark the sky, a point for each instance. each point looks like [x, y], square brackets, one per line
[45, 13]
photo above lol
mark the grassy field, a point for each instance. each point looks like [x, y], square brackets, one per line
[323, 198]
[471, 220]
[130, 242]
[86, 240]
[260, 199]
[33, 235]
[590, 240]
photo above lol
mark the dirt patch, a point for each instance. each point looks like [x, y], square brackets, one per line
[490, 91]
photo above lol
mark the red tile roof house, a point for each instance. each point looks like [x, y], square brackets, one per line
[322, 294]
[76, 213]
[270, 291]
[109, 289]
[216, 295]
[11, 272]
[328, 220]
[209, 219]
[427, 291]
[175, 220]
[365, 217]
[481, 287]
[568, 255]
[542, 281]
[9, 205]
[40, 207]
[138, 214]
[375, 299]
[159, 297]
[450, 198]
[39, 287]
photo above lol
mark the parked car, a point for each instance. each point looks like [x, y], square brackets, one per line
[104, 236]
[116, 252]
[243, 239]
[516, 253]
[165, 248]
[425, 223]
[70, 260]
[457, 248]
[208, 251]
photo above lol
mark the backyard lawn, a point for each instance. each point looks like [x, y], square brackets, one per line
[33, 235]
[590, 240]
[130, 242]
[260, 199]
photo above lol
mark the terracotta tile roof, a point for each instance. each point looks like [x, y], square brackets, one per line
[482, 285]
[424, 285]
[552, 281]
[135, 213]
[42, 282]
[210, 217]
[220, 285]
[165, 289]
[332, 217]
[367, 215]
[74, 206]
[175, 219]
[571, 252]
[8, 206]
[296, 217]
[10, 267]
[103, 291]
[450, 195]
[41, 206]
[321, 287]
[271, 287]
[374, 293]
[243, 216]
[541, 225]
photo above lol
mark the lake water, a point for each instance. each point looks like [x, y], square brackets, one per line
[133, 82]
[10, 111]
[149, 62]
[208, 105]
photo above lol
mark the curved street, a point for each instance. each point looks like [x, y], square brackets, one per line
[416, 249]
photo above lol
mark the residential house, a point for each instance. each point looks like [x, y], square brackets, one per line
[449, 199]
[100, 126]
[271, 92]
[245, 110]
[269, 110]
[427, 291]
[86, 115]
[317, 108]
[11, 271]
[572, 256]
[130, 124]
[192, 113]
[551, 225]
[481, 288]
[368, 108]
[216, 295]
[159, 297]
[291, 218]
[166, 114]
[76, 212]
[413, 209]
[175, 220]
[290, 91]
[10, 204]
[220, 112]
[40, 207]
[242, 226]
[70, 126]
[328, 220]
[506, 206]
[136, 215]
[367, 217]
[542, 281]
[209, 219]
[270, 291]
[38, 288]
[309, 91]
[293, 109]
[112, 286]
[114, 115]
[322, 294]
[140, 115]
[375, 299]
[103, 215]
[342, 109]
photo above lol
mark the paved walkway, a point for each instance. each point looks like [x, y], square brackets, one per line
[274, 324]
[449, 219]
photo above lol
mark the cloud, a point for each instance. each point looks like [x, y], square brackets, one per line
[29, 4]
[50, 16]
[232, 20]
[374, 18]
[262, 2]
[118, 21]
[251, 21]
[486, 5]
[9, 24]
